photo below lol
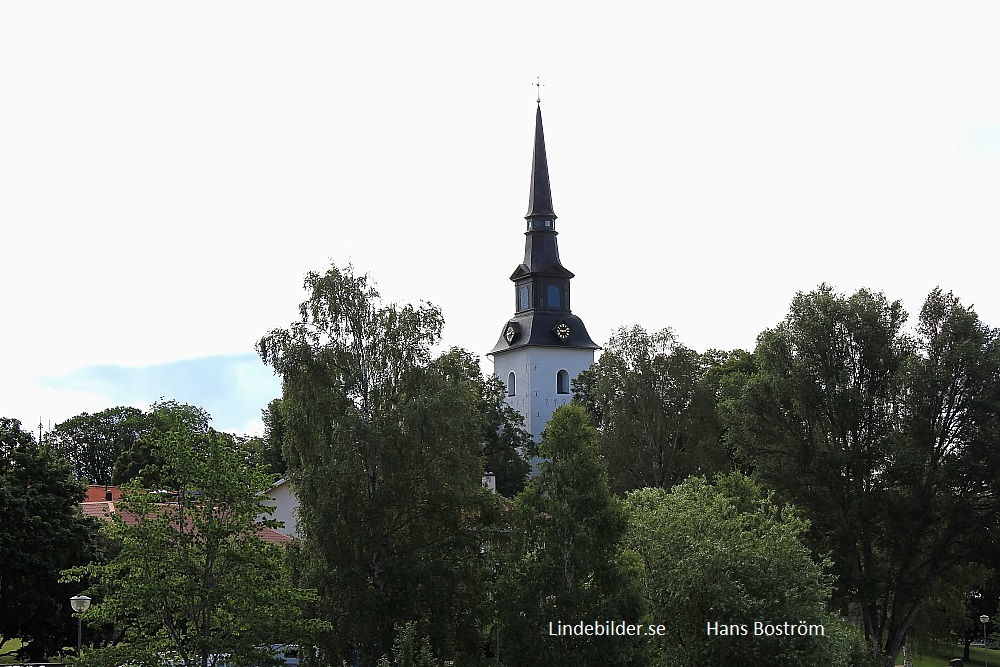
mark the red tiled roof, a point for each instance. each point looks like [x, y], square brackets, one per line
[101, 510]
[105, 509]
[95, 493]
[272, 536]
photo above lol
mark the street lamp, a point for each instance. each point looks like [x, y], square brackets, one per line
[80, 604]
[984, 619]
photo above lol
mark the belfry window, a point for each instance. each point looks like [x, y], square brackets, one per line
[511, 385]
[552, 296]
[562, 382]
[523, 298]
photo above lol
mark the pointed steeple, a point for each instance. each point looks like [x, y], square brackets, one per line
[542, 316]
[543, 345]
[540, 196]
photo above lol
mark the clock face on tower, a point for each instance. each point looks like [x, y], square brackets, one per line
[509, 334]
[562, 330]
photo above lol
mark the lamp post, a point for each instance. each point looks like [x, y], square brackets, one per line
[79, 603]
[984, 619]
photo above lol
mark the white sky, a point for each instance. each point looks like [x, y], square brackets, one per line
[170, 171]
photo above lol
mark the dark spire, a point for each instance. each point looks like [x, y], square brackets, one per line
[542, 315]
[540, 197]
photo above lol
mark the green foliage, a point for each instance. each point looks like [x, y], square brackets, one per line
[142, 462]
[269, 450]
[726, 554]
[886, 441]
[653, 402]
[42, 532]
[408, 650]
[952, 609]
[504, 439]
[116, 445]
[192, 577]
[384, 448]
[93, 443]
[12, 436]
[563, 563]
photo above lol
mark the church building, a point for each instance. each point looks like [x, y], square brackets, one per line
[544, 345]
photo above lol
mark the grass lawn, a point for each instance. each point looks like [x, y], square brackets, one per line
[938, 655]
[14, 644]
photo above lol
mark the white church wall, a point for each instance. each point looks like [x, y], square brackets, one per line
[536, 371]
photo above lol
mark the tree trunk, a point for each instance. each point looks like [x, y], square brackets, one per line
[907, 654]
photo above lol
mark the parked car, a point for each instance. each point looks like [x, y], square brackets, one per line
[288, 653]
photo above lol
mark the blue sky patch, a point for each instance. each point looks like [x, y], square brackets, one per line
[232, 388]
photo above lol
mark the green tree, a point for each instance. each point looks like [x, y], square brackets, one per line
[654, 405]
[269, 450]
[192, 576]
[12, 436]
[93, 443]
[42, 532]
[888, 442]
[409, 650]
[716, 558]
[505, 442]
[981, 599]
[384, 449]
[142, 461]
[952, 609]
[564, 562]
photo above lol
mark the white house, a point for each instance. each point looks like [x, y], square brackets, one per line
[285, 505]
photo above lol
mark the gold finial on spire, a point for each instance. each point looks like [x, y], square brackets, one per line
[538, 84]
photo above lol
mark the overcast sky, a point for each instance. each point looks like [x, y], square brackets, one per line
[170, 171]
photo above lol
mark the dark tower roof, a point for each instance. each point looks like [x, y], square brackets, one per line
[542, 292]
[540, 196]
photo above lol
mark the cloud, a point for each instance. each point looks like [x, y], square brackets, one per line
[232, 388]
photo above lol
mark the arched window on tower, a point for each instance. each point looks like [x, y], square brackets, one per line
[552, 296]
[511, 385]
[523, 298]
[562, 382]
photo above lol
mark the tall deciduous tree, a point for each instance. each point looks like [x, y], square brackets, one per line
[887, 441]
[505, 442]
[384, 450]
[653, 403]
[192, 576]
[42, 532]
[141, 461]
[953, 608]
[92, 443]
[12, 436]
[564, 562]
[269, 448]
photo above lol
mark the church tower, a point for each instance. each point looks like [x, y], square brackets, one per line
[544, 345]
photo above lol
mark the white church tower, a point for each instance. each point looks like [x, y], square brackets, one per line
[544, 345]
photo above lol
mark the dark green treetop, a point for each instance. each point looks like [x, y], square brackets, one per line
[654, 404]
[92, 443]
[42, 532]
[141, 461]
[564, 560]
[886, 440]
[384, 445]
